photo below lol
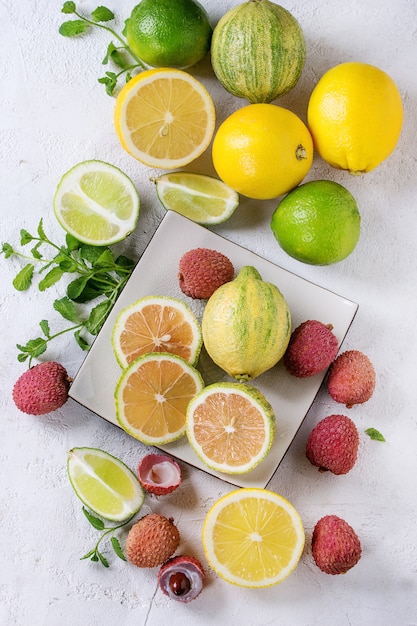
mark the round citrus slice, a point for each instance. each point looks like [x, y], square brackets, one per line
[96, 203]
[152, 395]
[165, 118]
[231, 427]
[104, 484]
[156, 324]
[253, 537]
[203, 199]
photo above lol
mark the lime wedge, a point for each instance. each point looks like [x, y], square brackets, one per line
[96, 203]
[104, 484]
[203, 199]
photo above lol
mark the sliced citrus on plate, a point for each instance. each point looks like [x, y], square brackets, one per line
[152, 396]
[203, 199]
[230, 426]
[96, 203]
[165, 118]
[253, 537]
[156, 324]
[104, 483]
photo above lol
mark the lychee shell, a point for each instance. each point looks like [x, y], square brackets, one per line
[333, 444]
[336, 547]
[152, 540]
[202, 271]
[312, 348]
[351, 378]
[42, 389]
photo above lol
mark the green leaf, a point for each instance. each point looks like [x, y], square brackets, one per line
[110, 81]
[374, 434]
[88, 555]
[91, 291]
[34, 347]
[73, 28]
[66, 308]
[123, 265]
[117, 56]
[76, 287]
[25, 237]
[91, 253]
[83, 344]
[98, 316]
[35, 251]
[23, 280]
[106, 260]
[52, 277]
[117, 548]
[69, 7]
[45, 328]
[7, 250]
[72, 242]
[41, 232]
[103, 560]
[22, 357]
[97, 523]
[94, 557]
[102, 14]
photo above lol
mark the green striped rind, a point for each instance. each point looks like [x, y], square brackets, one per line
[246, 325]
[258, 51]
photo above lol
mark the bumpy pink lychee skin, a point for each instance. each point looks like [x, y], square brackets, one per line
[202, 271]
[333, 444]
[312, 348]
[336, 547]
[42, 388]
[351, 378]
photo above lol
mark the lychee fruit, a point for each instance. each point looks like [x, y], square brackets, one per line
[42, 389]
[333, 444]
[152, 540]
[181, 578]
[351, 378]
[159, 474]
[336, 547]
[312, 348]
[202, 271]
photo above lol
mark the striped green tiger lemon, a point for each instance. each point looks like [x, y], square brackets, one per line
[246, 325]
[258, 51]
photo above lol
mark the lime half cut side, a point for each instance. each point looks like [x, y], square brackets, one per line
[203, 199]
[104, 484]
[97, 203]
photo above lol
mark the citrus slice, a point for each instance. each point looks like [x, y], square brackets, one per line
[203, 199]
[165, 118]
[156, 324]
[230, 426]
[96, 203]
[253, 537]
[104, 483]
[152, 395]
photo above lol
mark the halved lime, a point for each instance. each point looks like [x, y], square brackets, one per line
[96, 203]
[203, 199]
[104, 483]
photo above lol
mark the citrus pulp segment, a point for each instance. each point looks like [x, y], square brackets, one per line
[156, 324]
[231, 427]
[104, 483]
[253, 537]
[152, 396]
[164, 118]
[203, 199]
[96, 203]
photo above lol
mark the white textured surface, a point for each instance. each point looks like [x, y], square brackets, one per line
[54, 114]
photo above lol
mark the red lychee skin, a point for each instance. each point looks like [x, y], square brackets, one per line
[42, 389]
[336, 548]
[351, 378]
[152, 540]
[333, 444]
[311, 349]
[202, 271]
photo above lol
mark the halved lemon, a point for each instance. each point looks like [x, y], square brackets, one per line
[165, 118]
[96, 203]
[203, 199]
[152, 396]
[230, 426]
[253, 537]
[104, 483]
[156, 324]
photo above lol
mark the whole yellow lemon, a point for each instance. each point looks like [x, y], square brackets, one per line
[262, 151]
[355, 116]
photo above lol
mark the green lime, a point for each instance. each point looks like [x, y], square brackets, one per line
[96, 203]
[104, 483]
[169, 33]
[317, 223]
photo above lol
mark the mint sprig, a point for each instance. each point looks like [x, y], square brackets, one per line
[374, 434]
[98, 276]
[95, 554]
[120, 55]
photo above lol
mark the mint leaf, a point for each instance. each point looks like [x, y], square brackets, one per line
[105, 260]
[72, 242]
[91, 253]
[69, 7]
[25, 237]
[41, 231]
[98, 316]
[110, 81]
[52, 277]
[97, 523]
[66, 308]
[34, 347]
[73, 28]
[23, 280]
[45, 328]
[83, 344]
[374, 434]
[103, 560]
[7, 250]
[102, 14]
[76, 287]
[117, 548]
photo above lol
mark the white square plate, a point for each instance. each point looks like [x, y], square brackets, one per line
[156, 274]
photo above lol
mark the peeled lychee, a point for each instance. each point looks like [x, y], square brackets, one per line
[42, 389]
[335, 545]
[159, 474]
[333, 444]
[202, 271]
[181, 578]
[311, 349]
[351, 378]
[152, 540]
